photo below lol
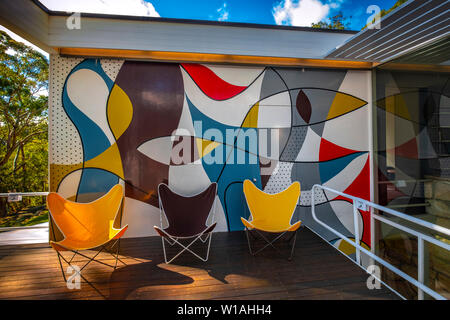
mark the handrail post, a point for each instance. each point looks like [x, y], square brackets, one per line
[420, 266]
[372, 235]
[356, 225]
[361, 204]
[313, 201]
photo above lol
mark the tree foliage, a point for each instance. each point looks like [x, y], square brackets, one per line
[341, 22]
[397, 4]
[23, 118]
[336, 22]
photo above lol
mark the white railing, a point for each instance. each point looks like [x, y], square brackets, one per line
[362, 204]
[17, 196]
[25, 194]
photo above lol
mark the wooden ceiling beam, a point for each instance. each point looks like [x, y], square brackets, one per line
[212, 58]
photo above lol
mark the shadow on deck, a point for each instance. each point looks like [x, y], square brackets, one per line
[318, 271]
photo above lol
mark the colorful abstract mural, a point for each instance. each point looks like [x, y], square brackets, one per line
[142, 123]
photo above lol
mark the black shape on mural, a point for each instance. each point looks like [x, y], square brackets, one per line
[303, 106]
[156, 92]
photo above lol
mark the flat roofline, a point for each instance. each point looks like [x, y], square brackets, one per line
[190, 57]
[190, 21]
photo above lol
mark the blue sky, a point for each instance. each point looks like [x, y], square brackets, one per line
[262, 11]
[282, 12]
[286, 12]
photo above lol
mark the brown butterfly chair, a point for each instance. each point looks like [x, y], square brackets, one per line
[187, 217]
[87, 226]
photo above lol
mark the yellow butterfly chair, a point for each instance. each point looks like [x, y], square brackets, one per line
[87, 225]
[271, 213]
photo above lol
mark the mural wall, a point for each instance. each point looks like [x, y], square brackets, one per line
[142, 123]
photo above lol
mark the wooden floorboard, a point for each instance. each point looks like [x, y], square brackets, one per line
[318, 271]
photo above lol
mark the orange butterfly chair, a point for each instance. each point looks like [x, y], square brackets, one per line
[271, 213]
[87, 225]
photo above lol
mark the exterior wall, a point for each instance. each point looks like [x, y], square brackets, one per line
[129, 122]
[172, 36]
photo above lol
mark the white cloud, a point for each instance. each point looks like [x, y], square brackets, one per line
[223, 12]
[335, 4]
[128, 7]
[20, 39]
[300, 13]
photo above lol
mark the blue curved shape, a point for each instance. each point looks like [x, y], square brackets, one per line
[93, 139]
[328, 169]
[235, 202]
[96, 66]
[96, 181]
[229, 174]
[236, 206]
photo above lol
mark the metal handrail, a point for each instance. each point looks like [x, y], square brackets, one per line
[362, 204]
[22, 228]
[23, 194]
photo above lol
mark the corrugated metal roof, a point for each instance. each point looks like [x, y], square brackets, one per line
[403, 29]
[436, 53]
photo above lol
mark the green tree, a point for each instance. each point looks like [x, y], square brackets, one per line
[397, 4]
[336, 22]
[23, 118]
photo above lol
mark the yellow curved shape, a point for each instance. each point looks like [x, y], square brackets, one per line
[205, 146]
[251, 120]
[119, 111]
[86, 225]
[396, 105]
[344, 103]
[271, 212]
[59, 171]
[348, 249]
[108, 160]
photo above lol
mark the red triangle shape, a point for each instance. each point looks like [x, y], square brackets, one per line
[211, 84]
[329, 151]
[360, 187]
[406, 150]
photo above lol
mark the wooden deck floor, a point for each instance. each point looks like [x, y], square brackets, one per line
[317, 271]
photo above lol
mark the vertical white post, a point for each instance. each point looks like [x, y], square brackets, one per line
[373, 145]
[372, 234]
[420, 267]
[356, 224]
[313, 197]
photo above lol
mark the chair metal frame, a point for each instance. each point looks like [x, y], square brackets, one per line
[90, 259]
[171, 240]
[270, 243]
